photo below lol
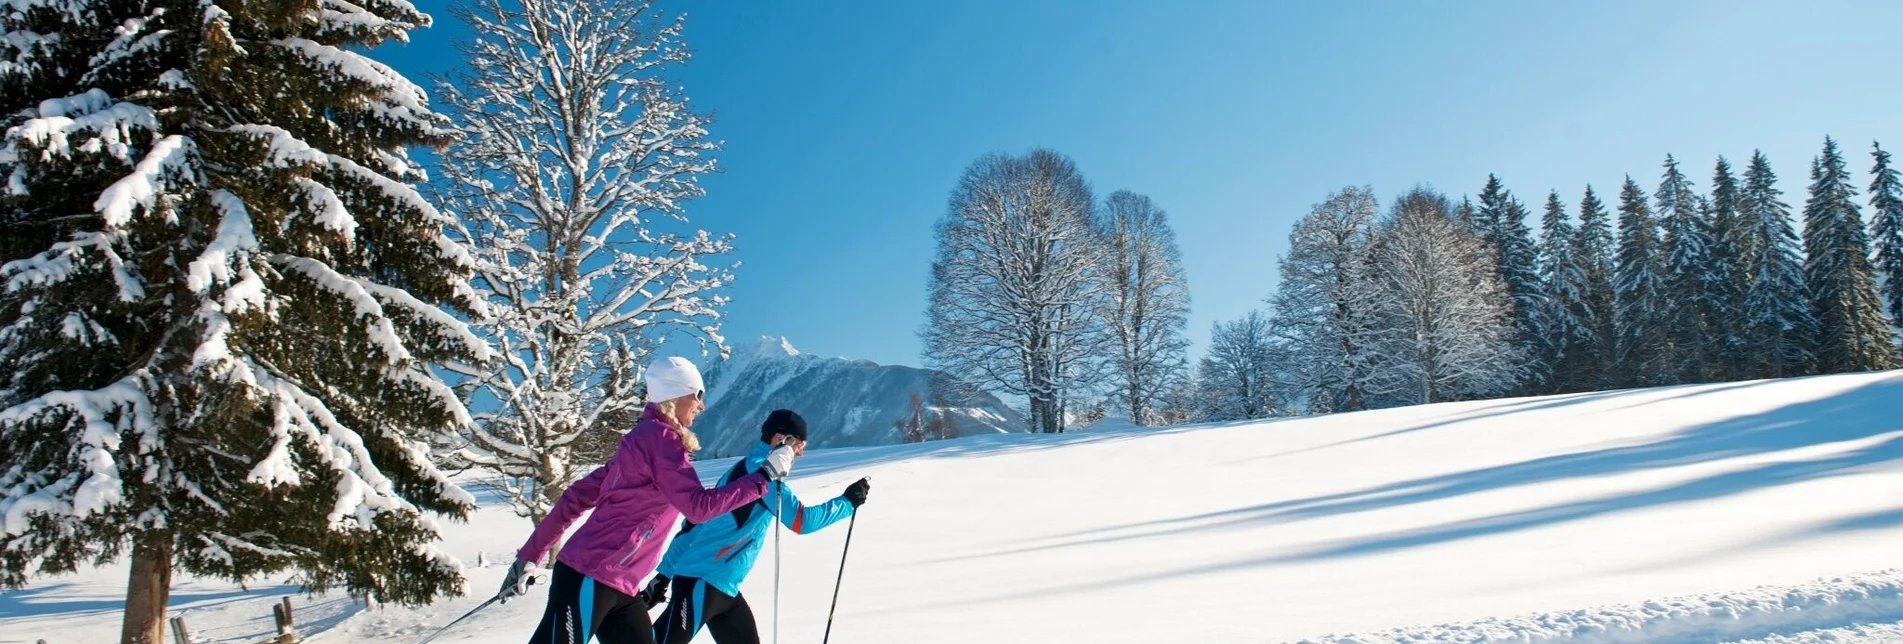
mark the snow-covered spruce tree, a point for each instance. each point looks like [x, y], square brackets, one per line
[1727, 233]
[574, 156]
[220, 303]
[1014, 293]
[1568, 356]
[1238, 375]
[1323, 305]
[1693, 297]
[1146, 303]
[1853, 334]
[1593, 250]
[1638, 287]
[1778, 326]
[1443, 314]
[1501, 221]
[1886, 226]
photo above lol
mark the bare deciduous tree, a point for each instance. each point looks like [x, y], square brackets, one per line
[1014, 288]
[574, 156]
[1323, 306]
[1146, 302]
[1446, 330]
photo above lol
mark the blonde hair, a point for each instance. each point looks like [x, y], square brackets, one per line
[688, 439]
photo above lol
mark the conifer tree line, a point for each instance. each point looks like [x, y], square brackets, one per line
[1435, 301]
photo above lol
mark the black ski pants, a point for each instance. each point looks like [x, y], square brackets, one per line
[693, 603]
[580, 608]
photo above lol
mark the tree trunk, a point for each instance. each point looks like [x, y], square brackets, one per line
[148, 590]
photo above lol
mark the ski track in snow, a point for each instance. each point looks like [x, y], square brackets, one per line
[1860, 608]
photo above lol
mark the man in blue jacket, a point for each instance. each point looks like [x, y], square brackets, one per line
[706, 562]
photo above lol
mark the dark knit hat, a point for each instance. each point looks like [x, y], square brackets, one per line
[783, 421]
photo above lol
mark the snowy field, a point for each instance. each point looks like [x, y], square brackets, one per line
[1767, 511]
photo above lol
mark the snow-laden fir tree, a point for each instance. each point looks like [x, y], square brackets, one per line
[1778, 326]
[1014, 290]
[1693, 297]
[221, 301]
[574, 158]
[1727, 233]
[1853, 334]
[1886, 227]
[1638, 287]
[1501, 220]
[1324, 303]
[1569, 357]
[1442, 311]
[1237, 377]
[1593, 251]
[1146, 303]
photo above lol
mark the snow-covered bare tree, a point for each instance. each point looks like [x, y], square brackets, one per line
[1146, 303]
[1014, 291]
[574, 155]
[220, 304]
[1237, 377]
[1323, 305]
[1445, 324]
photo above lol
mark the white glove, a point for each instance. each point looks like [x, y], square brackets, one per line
[779, 462]
[516, 583]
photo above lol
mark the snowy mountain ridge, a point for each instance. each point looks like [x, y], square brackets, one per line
[846, 402]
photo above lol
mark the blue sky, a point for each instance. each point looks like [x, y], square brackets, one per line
[847, 123]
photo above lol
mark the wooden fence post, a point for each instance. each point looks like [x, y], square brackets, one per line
[287, 626]
[179, 633]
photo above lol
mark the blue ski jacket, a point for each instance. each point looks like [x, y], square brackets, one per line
[721, 551]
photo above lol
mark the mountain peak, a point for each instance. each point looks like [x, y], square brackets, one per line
[765, 346]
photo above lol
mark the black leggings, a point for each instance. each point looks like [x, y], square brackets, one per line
[580, 608]
[693, 604]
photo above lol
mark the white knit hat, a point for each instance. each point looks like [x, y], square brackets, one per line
[672, 377]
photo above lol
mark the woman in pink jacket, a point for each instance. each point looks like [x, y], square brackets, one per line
[637, 496]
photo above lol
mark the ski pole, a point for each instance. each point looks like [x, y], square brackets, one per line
[776, 560]
[439, 632]
[842, 576]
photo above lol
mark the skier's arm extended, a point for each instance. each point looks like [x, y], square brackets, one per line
[578, 498]
[805, 519]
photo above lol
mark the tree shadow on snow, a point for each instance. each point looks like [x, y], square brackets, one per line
[1867, 411]
[44, 600]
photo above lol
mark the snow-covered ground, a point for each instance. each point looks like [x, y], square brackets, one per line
[1764, 511]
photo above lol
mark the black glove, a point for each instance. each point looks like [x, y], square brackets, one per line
[656, 592]
[856, 493]
[516, 582]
